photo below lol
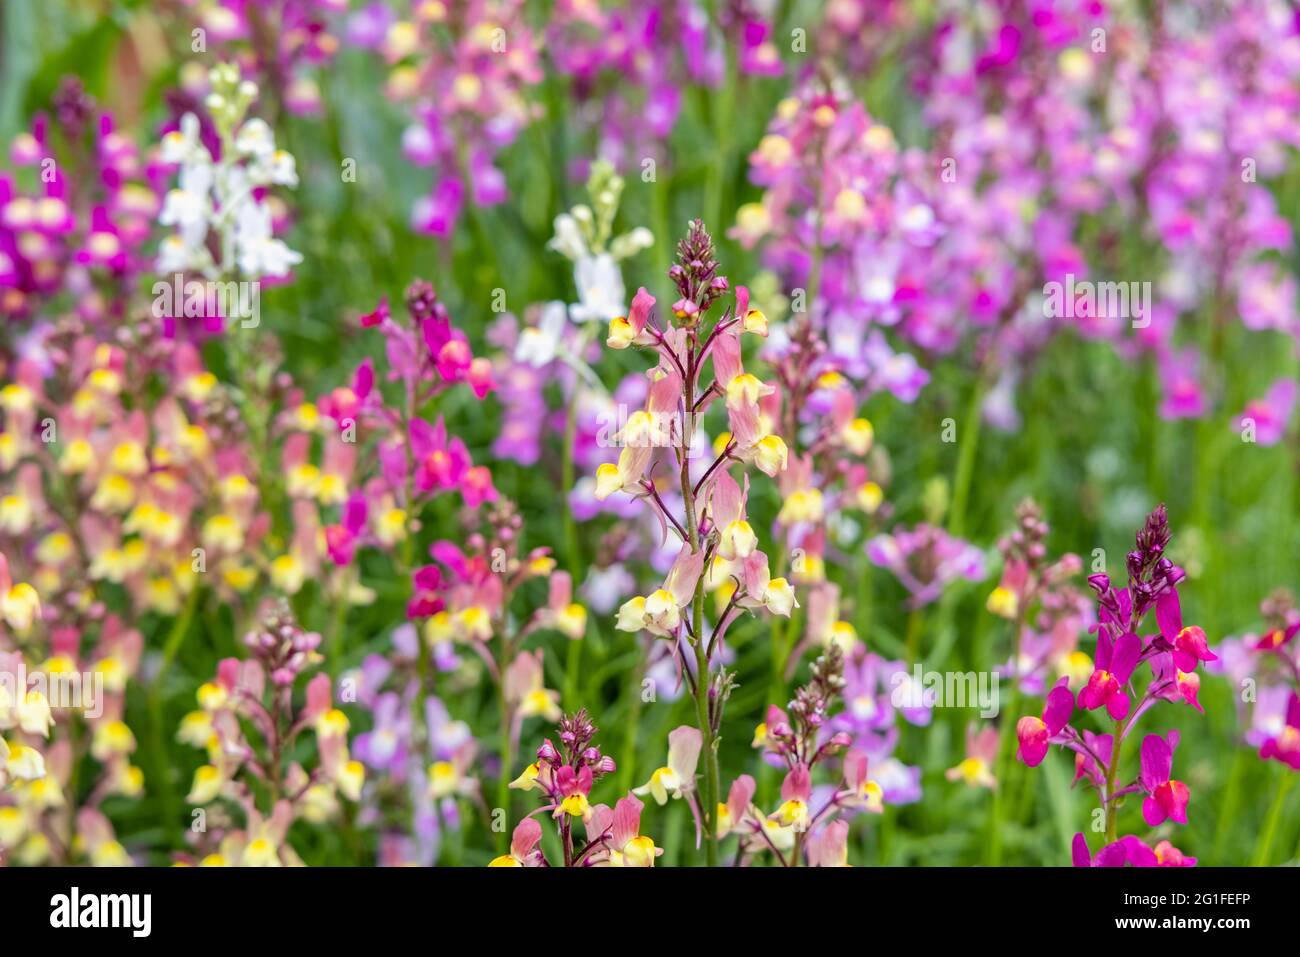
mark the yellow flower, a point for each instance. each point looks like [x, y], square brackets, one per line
[351, 776]
[572, 621]
[21, 606]
[771, 455]
[1003, 602]
[288, 574]
[801, 505]
[111, 738]
[528, 780]
[870, 495]
[858, 436]
[207, 785]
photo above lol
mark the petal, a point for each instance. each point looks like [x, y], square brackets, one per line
[1079, 851]
[1169, 615]
[1117, 705]
[684, 752]
[1125, 656]
[1157, 762]
[1152, 812]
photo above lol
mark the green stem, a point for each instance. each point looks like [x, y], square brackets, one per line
[628, 755]
[1264, 849]
[1001, 773]
[162, 764]
[572, 671]
[913, 636]
[507, 762]
[967, 443]
[1228, 807]
[702, 678]
[1112, 775]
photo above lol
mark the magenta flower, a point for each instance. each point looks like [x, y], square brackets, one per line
[1285, 746]
[1189, 644]
[1129, 850]
[1166, 798]
[1114, 667]
[1035, 734]
[1269, 414]
[1099, 747]
[926, 559]
[523, 847]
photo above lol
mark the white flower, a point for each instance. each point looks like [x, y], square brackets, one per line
[184, 209]
[174, 256]
[255, 139]
[569, 241]
[258, 253]
[601, 294]
[183, 145]
[538, 345]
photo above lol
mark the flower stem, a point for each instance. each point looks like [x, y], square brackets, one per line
[1112, 775]
[702, 682]
[967, 445]
[1264, 849]
[507, 760]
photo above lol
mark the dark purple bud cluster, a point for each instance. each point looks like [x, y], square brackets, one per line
[283, 648]
[797, 737]
[423, 303]
[1026, 541]
[576, 733]
[695, 274]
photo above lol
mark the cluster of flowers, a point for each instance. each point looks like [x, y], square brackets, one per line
[630, 65]
[248, 723]
[283, 45]
[1265, 668]
[1172, 656]
[960, 236]
[221, 196]
[463, 72]
[79, 249]
[563, 778]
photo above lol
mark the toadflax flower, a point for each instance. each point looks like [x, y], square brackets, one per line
[677, 778]
[1035, 734]
[1166, 799]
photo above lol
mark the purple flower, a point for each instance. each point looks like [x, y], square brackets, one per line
[926, 559]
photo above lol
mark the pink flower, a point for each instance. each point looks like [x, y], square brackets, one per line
[1127, 850]
[1166, 799]
[1035, 734]
[1285, 746]
[1114, 667]
[1270, 414]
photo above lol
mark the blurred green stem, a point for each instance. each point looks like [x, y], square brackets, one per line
[507, 763]
[967, 444]
[704, 719]
[162, 765]
[1264, 849]
[1002, 771]
[913, 641]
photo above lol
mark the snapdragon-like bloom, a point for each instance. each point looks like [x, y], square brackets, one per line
[1114, 666]
[677, 778]
[219, 196]
[463, 75]
[1035, 734]
[1166, 799]
[926, 560]
[1285, 746]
